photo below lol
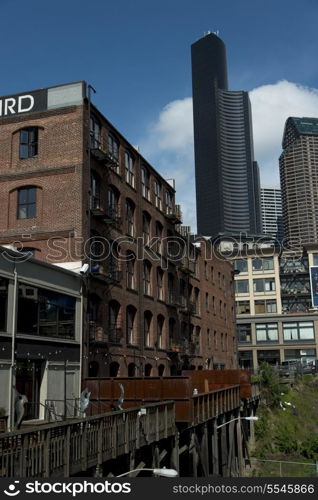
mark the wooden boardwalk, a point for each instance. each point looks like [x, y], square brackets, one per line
[67, 448]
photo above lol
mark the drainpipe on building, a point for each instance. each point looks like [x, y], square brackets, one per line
[13, 363]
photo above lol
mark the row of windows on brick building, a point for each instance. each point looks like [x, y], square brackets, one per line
[29, 149]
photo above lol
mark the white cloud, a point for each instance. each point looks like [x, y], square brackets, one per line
[169, 141]
[169, 148]
[271, 106]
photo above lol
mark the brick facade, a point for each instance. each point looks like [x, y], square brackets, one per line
[133, 325]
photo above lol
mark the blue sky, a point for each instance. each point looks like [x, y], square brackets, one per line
[137, 56]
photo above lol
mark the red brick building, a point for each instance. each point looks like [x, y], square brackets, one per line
[73, 191]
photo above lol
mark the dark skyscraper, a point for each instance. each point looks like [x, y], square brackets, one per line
[227, 177]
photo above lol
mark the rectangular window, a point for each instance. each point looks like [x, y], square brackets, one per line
[315, 259]
[264, 285]
[26, 203]
[299, 331]
[241, 286]
[265, 306]
[267, 332]
[263, 264]
[45, 313]
[244, 333]
[28, 142]
[240, 265]
[243, 307]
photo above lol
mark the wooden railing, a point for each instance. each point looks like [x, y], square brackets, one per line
[74, 446]
[211, 404]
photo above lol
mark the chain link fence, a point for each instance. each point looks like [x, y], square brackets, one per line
[280, 468]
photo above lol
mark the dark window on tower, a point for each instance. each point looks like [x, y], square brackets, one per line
[28, 142]
[26, 203]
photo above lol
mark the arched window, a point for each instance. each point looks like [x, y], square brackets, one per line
[93, 369]
[160, 325]
[95, 191]
[132, 370]
[26, 208]
[147, 328]
[130, 212]
[171, 291]
[146, 221]
[114, 330]
[114, 369]
[161, 370]
[95, 132]
[130, 169]
[147, 277]
[145, 183]
[28, 142]
[130, 270]
[113, 202]
[159, 234]
[113, 147]
[130, 324]
[172, 331]
[157, 189]
[148, 370]
[160, 288]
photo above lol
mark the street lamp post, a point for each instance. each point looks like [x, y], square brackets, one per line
[252, 418]
[238, 439]
[157, 472]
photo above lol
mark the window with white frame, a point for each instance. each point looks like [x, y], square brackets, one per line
[263, 264]
[298, 331]
[264, 285]
[266, 332]
[241, 286]
[265, 306]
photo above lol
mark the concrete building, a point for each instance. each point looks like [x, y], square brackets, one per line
[40, 336]
[299, 180]
[276, 320]
[227, 177]
[74, 191]
[271, 210]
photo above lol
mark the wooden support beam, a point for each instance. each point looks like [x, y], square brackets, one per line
[183, 448]
[215, 449]
[204, 451]
[162, 455]
[231, 448]
[141, 465]
[224, 450]
[239, 448]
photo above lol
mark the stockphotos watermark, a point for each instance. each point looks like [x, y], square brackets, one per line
[73, 488]
[170, 249]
